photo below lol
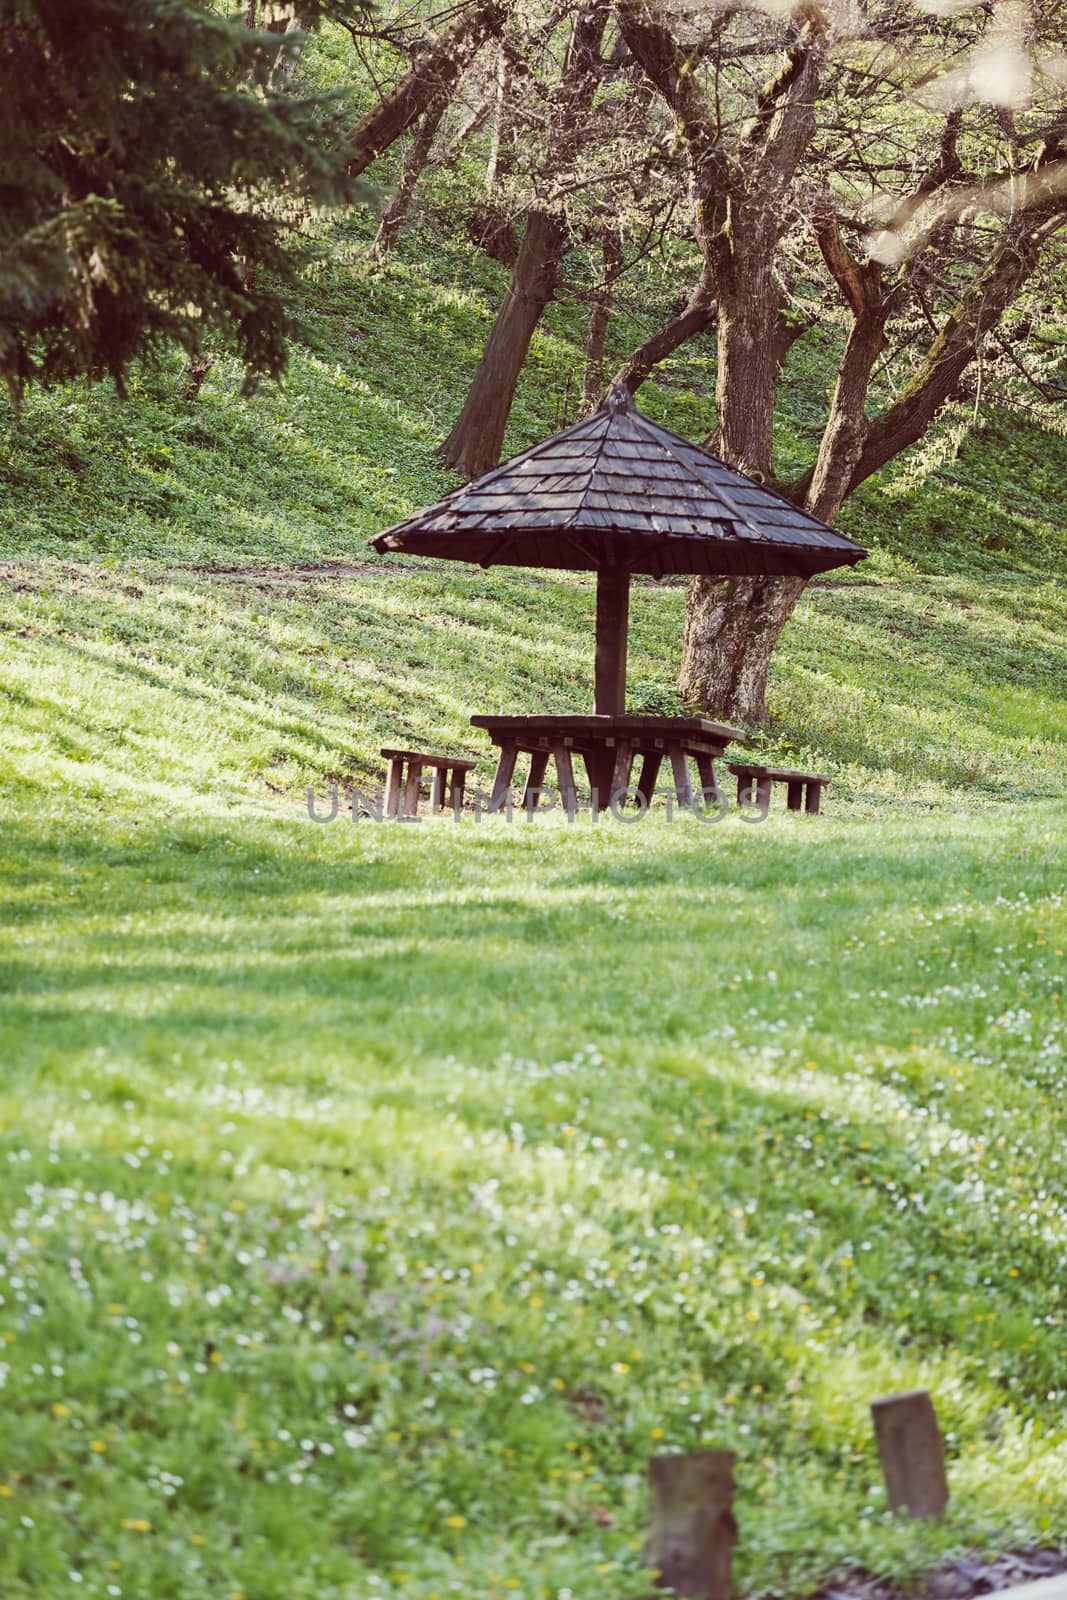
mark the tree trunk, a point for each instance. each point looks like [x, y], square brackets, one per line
[731, 628]
[749, 303]
[491, 224]
[290, 52]
[732, 624]
[473, 446]
[434, 73]
[600, 316]
[395, 214]
[500, 112]
[846, 427]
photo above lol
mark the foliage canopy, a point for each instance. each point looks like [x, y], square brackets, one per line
[142, 154]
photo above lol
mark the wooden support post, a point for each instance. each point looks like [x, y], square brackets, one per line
[565, 773]
[706, 768]
[794, 795]
[612, 620]
[692, 1531]
[649, 773]
[620, 774]
[411, 789]
[393, 784]
[505, 767]
[682, 787]
[811, 805]
[912, 1453]
[538, 768]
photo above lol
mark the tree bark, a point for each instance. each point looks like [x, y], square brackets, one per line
[846, 427]
[290, 52]
[861, 283]
[435, 72]
[474, 443]
[395, 214]
[731, 628]
[600, 316]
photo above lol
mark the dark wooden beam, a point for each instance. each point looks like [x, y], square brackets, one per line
[912, 1452]
[692, 1532]
[612, 620]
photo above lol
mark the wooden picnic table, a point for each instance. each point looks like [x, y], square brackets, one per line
[608, 746]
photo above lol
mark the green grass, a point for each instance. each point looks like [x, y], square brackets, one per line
[363, 1179]
[377, 1199]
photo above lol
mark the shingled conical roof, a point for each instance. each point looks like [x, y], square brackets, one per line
[617, 490]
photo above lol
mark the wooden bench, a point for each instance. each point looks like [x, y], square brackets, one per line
[803, 789]
[449, 776]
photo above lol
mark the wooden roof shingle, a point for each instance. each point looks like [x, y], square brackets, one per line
[619, 490]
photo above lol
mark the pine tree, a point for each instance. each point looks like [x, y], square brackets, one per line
[142, 157]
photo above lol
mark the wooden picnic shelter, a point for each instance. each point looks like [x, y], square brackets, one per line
[618, 494]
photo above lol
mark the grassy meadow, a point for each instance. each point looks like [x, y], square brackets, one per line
[376, 1200]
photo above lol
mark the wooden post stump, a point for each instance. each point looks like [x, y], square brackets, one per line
[912, 1453]
[692, 1530]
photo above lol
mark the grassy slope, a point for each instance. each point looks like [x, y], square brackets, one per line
[394, 1189]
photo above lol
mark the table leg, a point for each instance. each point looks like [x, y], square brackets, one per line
[794, 795]
[708, 782]
[504, 771]
[681, 775]
[393, 783]
[649, 773]
[538, 767]
[605, 767]
[620, 771]
[565, 773]
[411, 789]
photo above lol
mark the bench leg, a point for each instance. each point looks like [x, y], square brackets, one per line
[504, 772]
[745, 790]
[794, 795]
[411, 789]
[459, 783]
[393, 784]
[763, 794]
[538, 768]
[811, 805]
